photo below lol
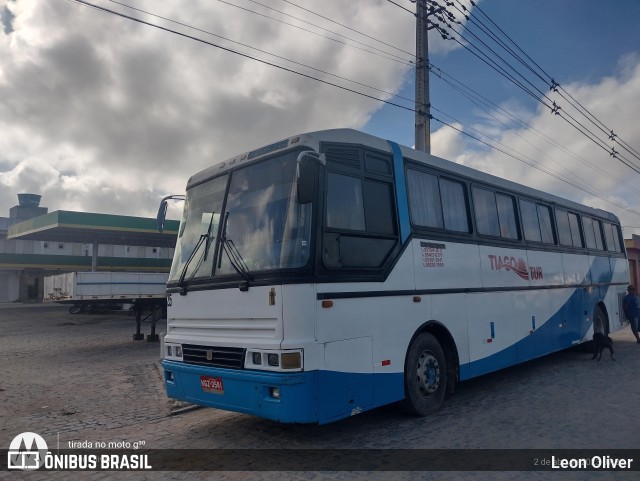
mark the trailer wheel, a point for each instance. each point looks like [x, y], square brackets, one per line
[425, 376]
[74, 309]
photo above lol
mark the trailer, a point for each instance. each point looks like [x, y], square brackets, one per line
[90, 291]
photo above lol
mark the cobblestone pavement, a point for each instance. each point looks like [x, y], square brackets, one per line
[81, 377]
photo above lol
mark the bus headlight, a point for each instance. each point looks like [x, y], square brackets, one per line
[274, 360]
[291, 360]
[173, 352]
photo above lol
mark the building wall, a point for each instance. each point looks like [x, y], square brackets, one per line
[9, 286]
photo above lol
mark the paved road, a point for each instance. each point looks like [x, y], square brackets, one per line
[82, 378]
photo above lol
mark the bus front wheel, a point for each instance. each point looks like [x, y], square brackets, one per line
[425, 376]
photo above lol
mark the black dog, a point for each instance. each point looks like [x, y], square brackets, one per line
[600, 342]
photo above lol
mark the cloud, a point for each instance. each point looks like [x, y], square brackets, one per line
[110, 111]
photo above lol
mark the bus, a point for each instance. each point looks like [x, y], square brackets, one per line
[333, 272]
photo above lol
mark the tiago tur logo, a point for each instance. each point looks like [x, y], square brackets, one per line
[518, 266]
[27, 451]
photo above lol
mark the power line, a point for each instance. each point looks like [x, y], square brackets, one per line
[227, 49]
[575, 123]
[584, 183]
[403, 8]
[578, 125]
[613, 136]
[327, 30]
[348, 27]
[396, 59]
[482, 56]
[391, 94]
[488, 106]
[609, 132]
[569, 182]
[503, 44]
[583, 186]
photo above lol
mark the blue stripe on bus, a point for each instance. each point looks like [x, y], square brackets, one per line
[401, 191]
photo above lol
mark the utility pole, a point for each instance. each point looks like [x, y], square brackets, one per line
[423, 124]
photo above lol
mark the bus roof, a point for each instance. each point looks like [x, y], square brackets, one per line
[313, 140]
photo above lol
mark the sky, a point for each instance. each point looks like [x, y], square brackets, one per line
[102, 114]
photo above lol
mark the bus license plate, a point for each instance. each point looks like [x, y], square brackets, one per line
[212, 384]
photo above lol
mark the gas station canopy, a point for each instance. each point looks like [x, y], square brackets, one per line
[90, 228]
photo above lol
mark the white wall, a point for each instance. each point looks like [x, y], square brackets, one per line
[9, 286]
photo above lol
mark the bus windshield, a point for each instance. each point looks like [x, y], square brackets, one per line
[262, 227]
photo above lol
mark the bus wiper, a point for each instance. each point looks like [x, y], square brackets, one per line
[233, 254]
[191, 257]
[235, 258]
[206, 236]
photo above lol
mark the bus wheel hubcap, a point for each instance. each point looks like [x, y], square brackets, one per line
[428, 373]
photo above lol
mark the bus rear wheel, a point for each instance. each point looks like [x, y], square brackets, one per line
[425, 376]
[600, 323]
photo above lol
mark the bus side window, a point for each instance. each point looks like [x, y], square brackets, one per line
[613, 237]
[536, 222]
[568, 228]
[597, 225]
[345, 204]
[593, 233]
[495, 214]
[574, 224]
[530, 223]
[424, 199]
[546, 225]
[437, 202]
[360, 229]
[454, 206]
[564, 231]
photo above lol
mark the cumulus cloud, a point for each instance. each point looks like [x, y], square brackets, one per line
[101, 113]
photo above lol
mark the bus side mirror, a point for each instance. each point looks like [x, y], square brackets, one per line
[162, 214]
[162, 210]
[307, 175]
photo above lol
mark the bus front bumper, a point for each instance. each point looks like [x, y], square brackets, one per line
[283, 397]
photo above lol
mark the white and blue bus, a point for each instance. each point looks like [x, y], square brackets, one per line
[333, 272]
